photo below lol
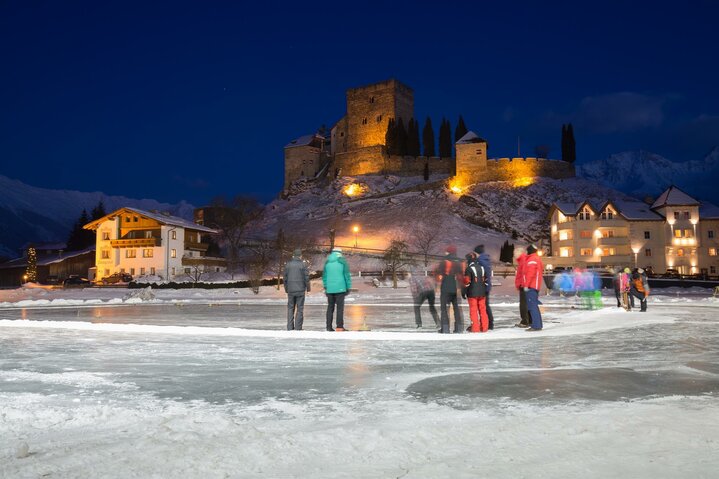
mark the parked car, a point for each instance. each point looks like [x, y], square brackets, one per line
[117, 278]
[75, 281]
[671, 273]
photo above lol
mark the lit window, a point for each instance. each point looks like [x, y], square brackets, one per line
[648, 252]
[688, 234]
[148, 234]
[147, 253]
[173, 253]
[105, 235]
[712, 251]
[677, 233]
[680, 252]
[565, 235]
[565, 252]
[608, 234]
[647, 235]
[174, 235]
[585, 251]
[585, 214]
[585, 234]
[608, 252]
[130, 253]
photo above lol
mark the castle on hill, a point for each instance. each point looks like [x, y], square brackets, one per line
[356, 146]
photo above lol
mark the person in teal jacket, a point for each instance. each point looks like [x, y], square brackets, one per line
[337, 282]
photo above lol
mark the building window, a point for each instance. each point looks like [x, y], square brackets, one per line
[142, 271]
[147, 253]
[379, 118]
[608, 234]
[135, 219]
[566, 235]
[680, 252]
[688, 233]
[132, 271]
[364, 121]
[173, 253]
[174, 234]
[187, 270]
[712, 269]
[585, 234]
[371, 99]
[647, 235]
[105, 254]
[127, 219]
[105, 235]
[585, 251]
[647, 252]
[677, 233]
[107, 272]
[608, 252]
[152, 271]
[585, 214]
[130, 253]
[565, 252]
[676, 215]
[173, 271]
[148, 234]
[712, 251]
[607, 214]
[687, 215]
[710, 233]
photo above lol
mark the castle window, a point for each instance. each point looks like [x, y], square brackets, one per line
[479, 152]
[364, 121]
[342, 133]
[371, 99]
[379, 118]
[710, 233]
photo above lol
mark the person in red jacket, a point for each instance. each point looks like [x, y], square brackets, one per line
[519, 284]
[532, 283]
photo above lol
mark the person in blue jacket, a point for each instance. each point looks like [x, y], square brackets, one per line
[337, 282]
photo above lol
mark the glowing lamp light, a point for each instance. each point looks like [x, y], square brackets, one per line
[352, 189]
[540, 253]
[525, 181]
[694, 221]
[636, 250]
[670, 221]
[355, 229]
[597, 234]
[598, 251]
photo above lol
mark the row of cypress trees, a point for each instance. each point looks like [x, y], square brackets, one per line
[406, 141]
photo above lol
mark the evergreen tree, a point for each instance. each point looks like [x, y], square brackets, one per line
[571, 145]
[461, 129]
[390, 137]
[98, 211]
[445, 139]
[564, 143]
[401, 135]
[428, 138]
[506, 252]
[79, 237]
[31, 271]
[412, 138]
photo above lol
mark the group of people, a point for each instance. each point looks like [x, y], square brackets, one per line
[471, 279]
[630, 284]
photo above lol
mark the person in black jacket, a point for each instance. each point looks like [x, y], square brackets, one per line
[475, 292]
[297, 282]
[486, 262]
[450, 276]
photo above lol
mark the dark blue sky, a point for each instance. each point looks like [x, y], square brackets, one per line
[188, 100]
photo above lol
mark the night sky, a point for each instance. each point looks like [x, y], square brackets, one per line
[189, 100]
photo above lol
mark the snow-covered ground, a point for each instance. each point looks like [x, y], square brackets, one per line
[118, 383]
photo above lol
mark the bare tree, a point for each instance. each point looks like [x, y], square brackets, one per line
[426, 236]
[280, 244]
[196, 272]
[258, 262]
[230, 218]
[396, 257]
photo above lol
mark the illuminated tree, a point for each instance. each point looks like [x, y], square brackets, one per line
[31, 271]
[396, 257]
[428, 138]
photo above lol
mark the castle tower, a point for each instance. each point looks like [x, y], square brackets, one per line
[369, 109]
[471, 158]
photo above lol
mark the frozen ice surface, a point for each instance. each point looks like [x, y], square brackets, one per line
[221, 390]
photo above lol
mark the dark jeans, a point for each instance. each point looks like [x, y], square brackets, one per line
[634, 293]
[618, 295]
[339, 300]
[533, 308]
[489, 311]
[419, 300]
[523, 312]
[295, 308]
[445, 299]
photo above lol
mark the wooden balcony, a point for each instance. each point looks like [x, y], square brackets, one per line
[135, 243]
[196, 246]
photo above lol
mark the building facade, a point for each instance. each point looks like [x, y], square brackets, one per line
[676, 232]
[143, 243]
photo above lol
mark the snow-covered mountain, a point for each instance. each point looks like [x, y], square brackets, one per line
[28, 213]
[641, 174]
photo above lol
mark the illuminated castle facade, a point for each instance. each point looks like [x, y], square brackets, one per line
[356, 146]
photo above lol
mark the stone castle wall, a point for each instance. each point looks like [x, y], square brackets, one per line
[375, 161]
[506, 169]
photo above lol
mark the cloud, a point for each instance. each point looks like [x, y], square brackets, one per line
[619, 112]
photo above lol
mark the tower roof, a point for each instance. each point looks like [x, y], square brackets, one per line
[470, 137]
[673, 196]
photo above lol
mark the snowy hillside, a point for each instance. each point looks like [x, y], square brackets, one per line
[488, 213]
[641, 173]
[28, 213]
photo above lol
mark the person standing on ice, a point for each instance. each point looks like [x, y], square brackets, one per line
[486, 262]
[450, 277]
[639, 288]
[337, 282]
[297, 282]
[625, 285]
[524, 321]
[422, 288]
[532, 283]
[475, 292]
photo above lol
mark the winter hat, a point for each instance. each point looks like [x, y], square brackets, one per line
[479, 249]
[297, 253]
[640, 271]
[452, 249]
[627, 270]
[531, 249]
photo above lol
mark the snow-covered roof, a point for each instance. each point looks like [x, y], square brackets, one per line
[568, 209]
[709, 211]
[305, 140]
[635, 210]
[470, 137]
[162, 218]
[673, 196]
[47, 260]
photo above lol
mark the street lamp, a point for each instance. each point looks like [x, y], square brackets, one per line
[355, 228]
